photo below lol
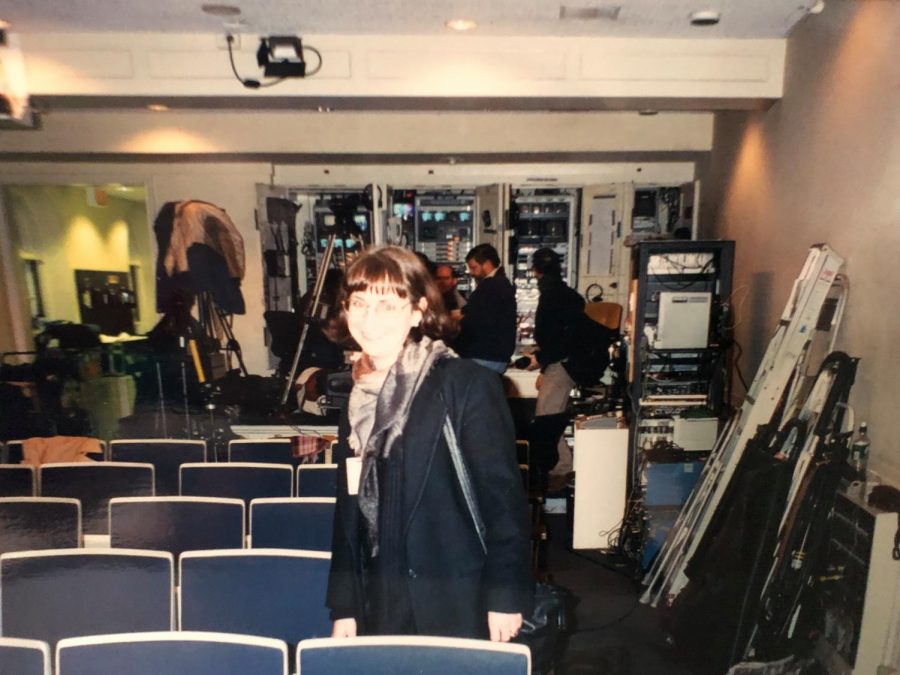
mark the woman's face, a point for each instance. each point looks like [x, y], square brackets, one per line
[380, 323]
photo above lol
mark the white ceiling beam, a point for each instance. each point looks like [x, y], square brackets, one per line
[196, 65]
[270, 133]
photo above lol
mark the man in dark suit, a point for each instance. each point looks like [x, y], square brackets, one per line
[487, 332]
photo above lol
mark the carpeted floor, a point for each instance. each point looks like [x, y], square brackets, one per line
[614, 634]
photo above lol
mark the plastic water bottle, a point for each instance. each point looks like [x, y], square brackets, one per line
[859, 456]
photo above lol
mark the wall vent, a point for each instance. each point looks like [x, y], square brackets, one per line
[590, 13]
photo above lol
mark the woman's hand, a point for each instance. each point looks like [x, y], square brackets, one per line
[503, 627]
[344, 628]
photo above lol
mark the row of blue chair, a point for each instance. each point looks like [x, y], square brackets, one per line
[52, 595]
[173, 524]
[95, 483]
[167, 455]
[208, 653]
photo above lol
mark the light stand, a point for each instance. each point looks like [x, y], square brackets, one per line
[311, 312]
[344, 210]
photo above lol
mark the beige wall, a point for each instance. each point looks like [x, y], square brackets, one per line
[823, 165]
[57, 226]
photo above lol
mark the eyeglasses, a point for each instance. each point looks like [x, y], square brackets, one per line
[359, 307]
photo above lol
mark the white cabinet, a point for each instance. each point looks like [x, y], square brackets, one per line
[601, 471]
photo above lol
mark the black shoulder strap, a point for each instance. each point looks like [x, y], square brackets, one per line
[462, 474]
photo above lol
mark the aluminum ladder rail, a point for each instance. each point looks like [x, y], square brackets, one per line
[786, 354]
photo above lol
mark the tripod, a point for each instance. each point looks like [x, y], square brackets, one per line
[216, 322]
[311, 312]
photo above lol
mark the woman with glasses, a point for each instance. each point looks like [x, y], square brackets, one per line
[407, 557]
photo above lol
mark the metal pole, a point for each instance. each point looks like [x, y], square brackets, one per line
[162, 400]
[311, 312]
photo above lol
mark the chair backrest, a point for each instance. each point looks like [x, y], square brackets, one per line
[51, 595]
[264, 451]
[94, 484]
[165, 454]
[35, 523]
[173, 653]
[411, 655]
[608, 314]
[317, 480]
[303, 523]
[14, 451]
[270, 592]
[17, 480]
[237, 480]
[176, 524]
[19, 656]
[523, 451]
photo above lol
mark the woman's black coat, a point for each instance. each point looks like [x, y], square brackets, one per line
[452, 583]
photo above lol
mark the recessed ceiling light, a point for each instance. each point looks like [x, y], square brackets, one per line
[817, 7]
[157, 107]
[647, 112]
[220, 10]
[705, 17]
[461, 24]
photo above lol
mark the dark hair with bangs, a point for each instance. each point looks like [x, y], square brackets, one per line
[392, 269]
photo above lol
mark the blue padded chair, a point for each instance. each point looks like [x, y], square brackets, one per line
[172, 653]
[94, 484]
[24, 657]
[269, 592]
[411, 655]
[176, 524]
[17, 480]
[304, 523]
[35, 523]
[264, 451]
[317, 480]
[51, 595]
[237, 480]
[165, 454]
[14, 452]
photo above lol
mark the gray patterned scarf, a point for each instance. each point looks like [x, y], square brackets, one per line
[391, 411]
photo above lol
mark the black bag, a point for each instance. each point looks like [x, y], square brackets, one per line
[589, 350]
[544, 632]
[552, 614]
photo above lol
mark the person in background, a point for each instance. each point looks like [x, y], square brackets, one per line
[487, 332]
[406, 555]
[446, 279]
[559, 310]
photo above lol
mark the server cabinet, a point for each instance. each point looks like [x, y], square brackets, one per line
[679, 337]
[541, 218]
[444, 227]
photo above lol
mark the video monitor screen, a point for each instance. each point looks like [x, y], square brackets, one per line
[404, 210]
